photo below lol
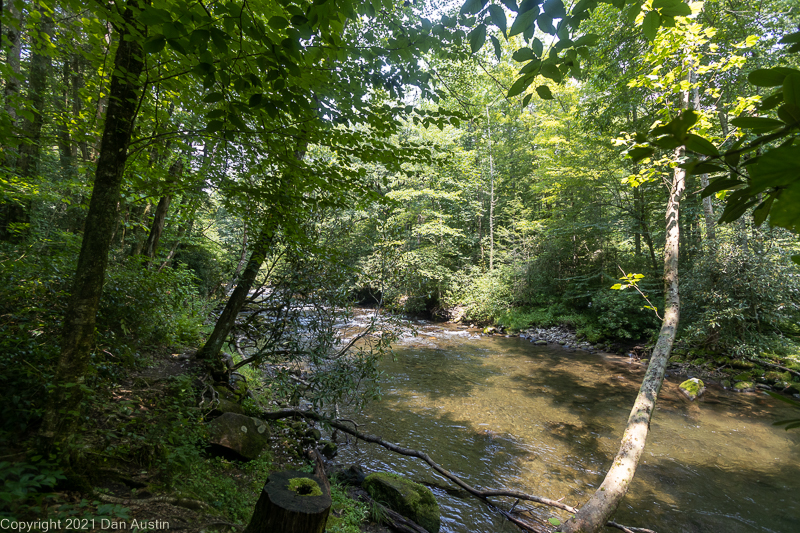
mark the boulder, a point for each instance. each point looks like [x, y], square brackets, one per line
[244, 435]
[692, 388]
[412, 500]
[744, 386]
[540, 342]
[227, 406]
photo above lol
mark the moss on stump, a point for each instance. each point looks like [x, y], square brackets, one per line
[412, 500]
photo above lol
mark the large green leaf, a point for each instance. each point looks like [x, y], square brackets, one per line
[544, 92]
[721, 184]
[471, 7]
[154, 44]
[523, 21]
[791, 89]
[551, 71]
[498, 17]
[701, 145]
[519, 86]
[523, 54]
[477, 38]
[678, 10]
[777, 168]
[650, 25]
[770, 77]
[498, 48]
[762, 123]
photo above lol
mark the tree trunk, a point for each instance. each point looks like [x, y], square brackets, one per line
[240, 265]
[64, 403]
[280, 510]
[708, 210]
[160, 216]
[210, 350]
[595, 513]
[491, 193]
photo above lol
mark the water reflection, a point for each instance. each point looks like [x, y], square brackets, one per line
[501, 412]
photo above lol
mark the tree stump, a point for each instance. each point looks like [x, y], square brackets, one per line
[283, 510]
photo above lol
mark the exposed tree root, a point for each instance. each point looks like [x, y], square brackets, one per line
[482, 494]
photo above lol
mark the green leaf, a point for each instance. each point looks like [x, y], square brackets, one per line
[498, 17]
[721, 184]
[498, 48]
[650, 25]
[760, 213]
[523, 54]
[640, 152]
[220, 40]
[519, 86]
[701, 145]
[791, 38]
[770, 77]
[705, 168]
[255, 100]
[212, 98]
[215, 125]
[523, 21]
[762, 123]
[544, 92]
[278, 23]
[555, 521]
[532, 67]
[151, 16]
[511, 5]
[791, 89]
[199, 39]
[777, 168]
[590, 39]
[537, 47]
[678, 10]
[477, 38]
[660, 4]
[551, 71]
[471, 7]
[545, 23]
[154, 44]
[526, 100]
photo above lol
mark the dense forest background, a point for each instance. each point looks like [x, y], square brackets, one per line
[481, 163]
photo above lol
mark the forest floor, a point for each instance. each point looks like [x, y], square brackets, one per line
[146, 466]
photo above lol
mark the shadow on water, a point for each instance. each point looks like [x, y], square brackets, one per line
[503, 413]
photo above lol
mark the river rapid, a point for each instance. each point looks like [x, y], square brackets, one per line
[502, 412]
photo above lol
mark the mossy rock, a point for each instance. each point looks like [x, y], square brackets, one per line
[744, 376]
[740, 363]
[412, 500]
[692, 388]
[676, 359]
[744, 386]
[726, 383]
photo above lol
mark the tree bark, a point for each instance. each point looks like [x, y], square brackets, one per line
[210, 350]
[591, 517]
[282, 510]
[160, 216]
[64, 403]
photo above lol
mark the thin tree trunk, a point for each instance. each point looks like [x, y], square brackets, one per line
[592, 516]
[210, 350]
[491, 193]
[240, 265]
[160, 216]
[64, 403]
[13, 41]
[708, 210]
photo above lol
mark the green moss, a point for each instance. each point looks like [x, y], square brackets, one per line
[412, 500]
[304, 486]
[692, 388]
[743, 386]
[744, 376]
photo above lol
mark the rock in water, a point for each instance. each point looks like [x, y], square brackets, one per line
[692, 388]
[412, 500]
[291, 502]
[242, 434]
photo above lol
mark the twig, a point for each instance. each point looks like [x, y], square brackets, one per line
[180, 502]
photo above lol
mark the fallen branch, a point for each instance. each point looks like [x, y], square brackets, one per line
[482, 494]
[172, 500]
[394, 520]
[629, 529]
[773, 365]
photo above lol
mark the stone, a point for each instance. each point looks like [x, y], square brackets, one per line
[227, 406]
[744, 376]
[540, 342]
[243, 435]
[412, 500]
[744, 386]
[692, 388]
[726, 383]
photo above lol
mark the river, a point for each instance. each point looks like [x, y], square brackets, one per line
[501, 412]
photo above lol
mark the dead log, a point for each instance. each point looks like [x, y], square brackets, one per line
[291, 502]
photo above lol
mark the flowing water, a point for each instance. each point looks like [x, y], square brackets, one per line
[501, 412]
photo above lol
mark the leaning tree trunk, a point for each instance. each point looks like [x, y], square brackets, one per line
[77, 338]
[281, 509]
[210, 350]
[595, 513]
